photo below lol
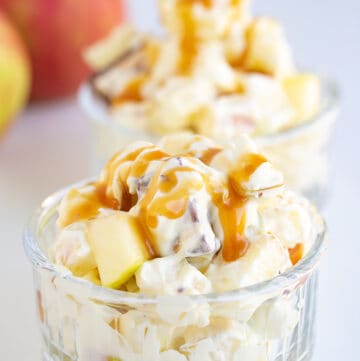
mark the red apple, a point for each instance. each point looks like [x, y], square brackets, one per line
[56, 32]
[14, 72]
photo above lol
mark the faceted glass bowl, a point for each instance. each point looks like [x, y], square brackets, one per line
[79, 321]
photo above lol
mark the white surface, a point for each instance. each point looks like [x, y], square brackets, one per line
[46, 149]
[49, 146]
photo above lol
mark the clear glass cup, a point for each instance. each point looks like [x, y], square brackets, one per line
[301, 152]
[269, 321]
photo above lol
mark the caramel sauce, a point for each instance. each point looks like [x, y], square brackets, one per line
[238, 63]
[147, 238]
[120, 158]
[245, 167]
[188, 40]
[138, 169]
[296, 253]
[140, 161]
[173, 203]
[132, 91]
[168, 197]
[111, 167]
[142, 66]
[173, 200]
[233, 220]
[209, 154]
[146, 220]
[232, 210]
[108, 202]
[141, 164]
[80, 206]
[206, 3]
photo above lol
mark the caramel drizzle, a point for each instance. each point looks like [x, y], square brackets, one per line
[205, 3]
[246, 166]
[80, 206]
[132, 91]
[168, 197]
[142, 162]
[188, 39]
[112, 166]
[209, 154]
[141, 159]
[233, 220]
[173, 201]
[232, 211]
[296, 253]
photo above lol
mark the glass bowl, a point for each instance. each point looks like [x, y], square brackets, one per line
[301, 152]
[79, 321]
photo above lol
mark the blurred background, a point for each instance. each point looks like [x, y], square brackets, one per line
[45, 145]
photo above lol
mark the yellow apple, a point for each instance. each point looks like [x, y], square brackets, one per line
[14, 73]
[119, 247]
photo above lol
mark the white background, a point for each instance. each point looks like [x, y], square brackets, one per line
[49, 146]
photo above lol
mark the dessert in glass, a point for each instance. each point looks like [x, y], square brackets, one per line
[184, 251]
[218, 71]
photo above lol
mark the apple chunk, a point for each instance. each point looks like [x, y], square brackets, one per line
[119, 247]
[303, 91]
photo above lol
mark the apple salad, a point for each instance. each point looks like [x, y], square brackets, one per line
[218, 71]
[183, 218]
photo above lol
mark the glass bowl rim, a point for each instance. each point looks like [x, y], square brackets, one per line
[97, 111]
[284, 282]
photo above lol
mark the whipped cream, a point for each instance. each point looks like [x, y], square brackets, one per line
[190, 194]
